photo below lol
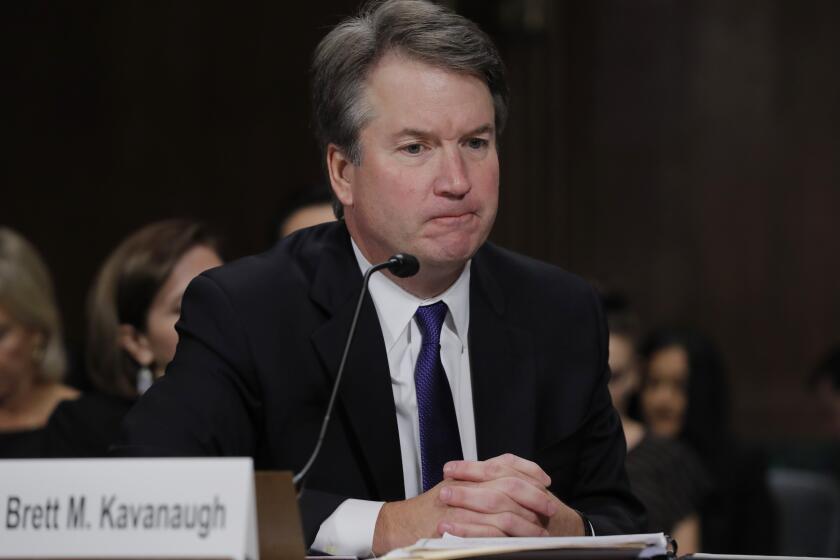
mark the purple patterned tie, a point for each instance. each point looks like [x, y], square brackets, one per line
[439, 438]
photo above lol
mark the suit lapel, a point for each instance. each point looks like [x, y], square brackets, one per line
[365, 395]
[502, 370]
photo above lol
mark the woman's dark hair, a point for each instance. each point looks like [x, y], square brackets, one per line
[621, 319]
[828, 368]
[123, 293]
[311, 194]
[706, 421]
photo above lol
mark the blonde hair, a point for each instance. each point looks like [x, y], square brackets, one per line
[27, 294]
[123, 292]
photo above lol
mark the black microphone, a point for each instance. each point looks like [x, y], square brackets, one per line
[401, 265]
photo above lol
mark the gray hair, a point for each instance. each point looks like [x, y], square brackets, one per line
[26, 293]
[418, 29]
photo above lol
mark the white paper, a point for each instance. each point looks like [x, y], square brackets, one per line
[654, 543]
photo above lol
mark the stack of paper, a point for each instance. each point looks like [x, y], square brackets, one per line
[451, 547]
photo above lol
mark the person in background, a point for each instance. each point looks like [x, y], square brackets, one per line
[684, 397]
[309, 206]
[132, 309]
[32, 358]
[826, 382]
[665, 475]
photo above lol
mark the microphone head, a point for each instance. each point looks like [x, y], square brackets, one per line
[403, 265]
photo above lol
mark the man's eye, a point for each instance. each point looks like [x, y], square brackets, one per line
[477, 143]
[413, 149]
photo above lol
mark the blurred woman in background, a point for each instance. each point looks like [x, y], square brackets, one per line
[664, 474]
[132, 310]
[32, 358]
[684, 396]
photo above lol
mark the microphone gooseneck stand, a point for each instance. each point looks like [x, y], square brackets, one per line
[401, 265]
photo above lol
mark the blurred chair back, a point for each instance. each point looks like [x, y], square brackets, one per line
[809, 512]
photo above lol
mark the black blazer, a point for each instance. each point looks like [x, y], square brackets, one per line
[260, 342]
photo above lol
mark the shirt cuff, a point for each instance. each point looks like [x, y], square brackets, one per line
[588, 529]
[349, 530]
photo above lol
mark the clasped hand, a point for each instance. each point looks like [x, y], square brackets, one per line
[503, 496]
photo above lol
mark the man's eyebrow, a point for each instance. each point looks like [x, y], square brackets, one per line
[483, 129]
[419, 133]
[413, 132]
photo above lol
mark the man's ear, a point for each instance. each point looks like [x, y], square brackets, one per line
[136, 344]
[342, 172]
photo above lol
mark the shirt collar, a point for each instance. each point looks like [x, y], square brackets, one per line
[396, 307]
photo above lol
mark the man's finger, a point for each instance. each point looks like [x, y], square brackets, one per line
[535, 498]
[504, 494]
[523, 466]
[483, 471]
[485, 499]
[468, 530]
[500, 524]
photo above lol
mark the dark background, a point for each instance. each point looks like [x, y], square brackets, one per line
[684, 152]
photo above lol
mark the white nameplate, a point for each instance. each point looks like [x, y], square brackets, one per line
[128, 508]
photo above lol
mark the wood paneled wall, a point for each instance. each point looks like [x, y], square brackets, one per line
[685, 152]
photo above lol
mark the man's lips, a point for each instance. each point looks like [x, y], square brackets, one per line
[453, 218]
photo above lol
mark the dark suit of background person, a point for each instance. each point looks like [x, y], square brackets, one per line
[260, 341]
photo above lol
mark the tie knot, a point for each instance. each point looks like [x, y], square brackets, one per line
[430, 320]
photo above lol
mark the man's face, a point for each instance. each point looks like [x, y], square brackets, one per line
[664, 396]
[428, 180]
[623, 363]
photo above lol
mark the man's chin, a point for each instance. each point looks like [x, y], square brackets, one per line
[448, 258]
[451, 247]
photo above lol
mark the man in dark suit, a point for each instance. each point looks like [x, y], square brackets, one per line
[475, 397]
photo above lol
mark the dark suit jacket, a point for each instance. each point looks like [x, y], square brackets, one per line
[260, 342]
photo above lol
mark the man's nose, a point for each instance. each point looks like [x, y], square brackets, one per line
[452, 179]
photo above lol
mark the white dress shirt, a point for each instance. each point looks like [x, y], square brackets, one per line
[349, 530]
